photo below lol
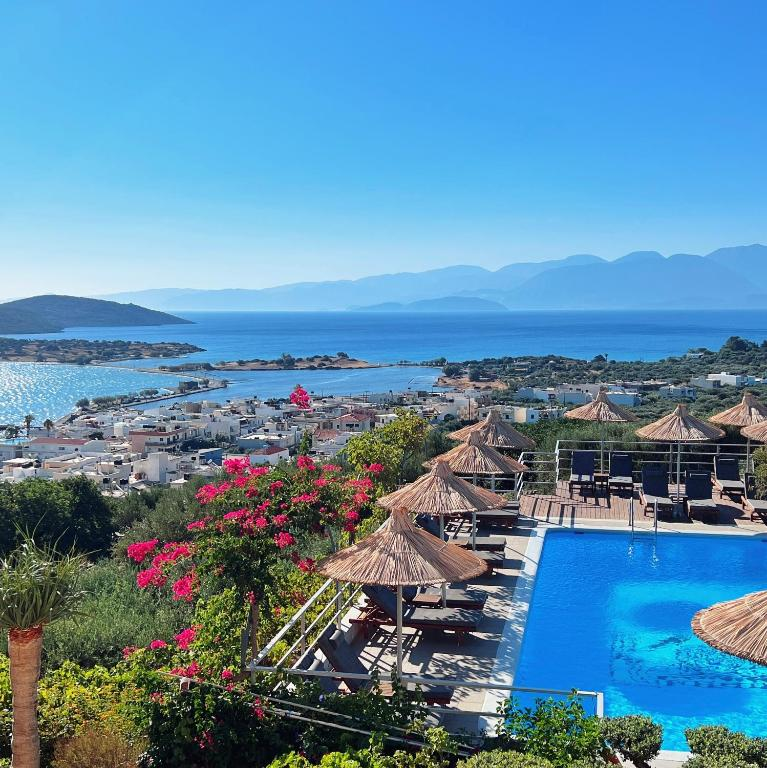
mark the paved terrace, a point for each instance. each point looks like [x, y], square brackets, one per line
[490, 654]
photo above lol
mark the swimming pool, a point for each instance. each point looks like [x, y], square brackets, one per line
[611, 612]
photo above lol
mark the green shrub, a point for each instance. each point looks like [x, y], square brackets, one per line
[500, 758]
[560, 731]
[715, 746]
[115, 614]
[636, 737]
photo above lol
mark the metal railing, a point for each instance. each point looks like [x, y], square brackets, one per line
[541, 477]
[310, 621]
[693, 456]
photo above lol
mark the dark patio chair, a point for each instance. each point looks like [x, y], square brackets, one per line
[700, 501]
[727, 477]
[582, 471]
[752, 504]
[655, 489]
[621, 476]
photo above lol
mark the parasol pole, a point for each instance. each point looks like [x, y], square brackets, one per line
[679, 471]
[442, 536]
[399, 630]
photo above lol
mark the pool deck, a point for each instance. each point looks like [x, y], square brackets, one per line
[491, 653]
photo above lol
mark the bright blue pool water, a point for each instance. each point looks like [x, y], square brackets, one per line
[612, 613]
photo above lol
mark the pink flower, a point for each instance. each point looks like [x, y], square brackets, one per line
[306, 498]
[139, 551]
[305, 462]
[280, 520]
[283, 539]
[352, 516]
[155, 645]
[227, 674]
[331, 468]
[259, 471]
[300, 398]
[375, 468]
[261, 522]
[185, 638]
[198, 525]
[150, 577]
[240, 482]
[236, 466]
[206, 494]
[275, 486]
[321, 482]
[307, 566]
[183, 589]
[235, 514]
[360, 498]
[157, 698]
[128, 651]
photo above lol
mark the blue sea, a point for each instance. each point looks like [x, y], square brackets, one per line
[373, 336]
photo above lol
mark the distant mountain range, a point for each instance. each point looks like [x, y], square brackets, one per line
[726, 278]
[49, 314]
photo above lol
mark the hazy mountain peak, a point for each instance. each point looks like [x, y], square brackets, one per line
[636, 256]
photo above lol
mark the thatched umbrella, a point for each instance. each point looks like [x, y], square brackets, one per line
[748, 413]
[475, 458]
[738, 627]
[441, 494]
[399, 554]
[496, 433]
[679, 427]
[602, 410]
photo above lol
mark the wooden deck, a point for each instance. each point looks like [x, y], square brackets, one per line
[561, 508]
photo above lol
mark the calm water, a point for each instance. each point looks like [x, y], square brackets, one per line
[391, 337]
[613, 614]
[50, 391]
[377, 337]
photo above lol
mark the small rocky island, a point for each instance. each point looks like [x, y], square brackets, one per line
[285, 362]
[82, 352]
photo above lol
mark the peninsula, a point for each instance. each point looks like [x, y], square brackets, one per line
[286, 362]
[52, 313]
[82, 352]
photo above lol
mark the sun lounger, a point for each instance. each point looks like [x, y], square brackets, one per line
[700, 502]
[654, 489]
[621, 477]
[342, 659]
[727, 477]
[488, 543]
[506, 517]
[754, 506]
[456, 598]
[382, 611]
[582, 471]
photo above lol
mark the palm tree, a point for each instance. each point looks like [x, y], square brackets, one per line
[37, 587]
[48, 425]
[28, 419]
[12, 431]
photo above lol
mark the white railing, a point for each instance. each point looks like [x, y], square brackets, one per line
[542, 473]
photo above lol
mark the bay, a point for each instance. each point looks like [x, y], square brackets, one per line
[50, 391]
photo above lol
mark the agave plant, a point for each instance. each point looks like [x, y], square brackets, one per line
[38, 585]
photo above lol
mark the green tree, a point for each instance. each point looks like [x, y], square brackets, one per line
[12, 432]
[305, 445]
[38, 586]
[48, 426]
[83, 402]
[396, 445]
[28, 421]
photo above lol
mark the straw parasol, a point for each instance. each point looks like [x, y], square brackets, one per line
[440, 493]
[749, 412]
[476, 458]
[679, 427]
[738, 627]
[399, 554]
[603, 410]
[495, 432]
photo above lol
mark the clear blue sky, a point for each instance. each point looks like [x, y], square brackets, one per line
[182, 143]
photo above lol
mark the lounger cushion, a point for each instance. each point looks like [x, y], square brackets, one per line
[618, 480]
[445, 618]
[703, 504]
[649, 500]
[730, 485]
[582, 478]
[758, 505]
[460, 598]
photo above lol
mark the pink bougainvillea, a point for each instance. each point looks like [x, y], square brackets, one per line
[139, 551]
[300, 398]
[157, 644]
[185, 638]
